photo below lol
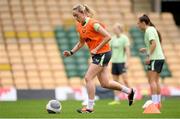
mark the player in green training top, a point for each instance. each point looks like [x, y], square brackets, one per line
[120, 55]
[155, 57]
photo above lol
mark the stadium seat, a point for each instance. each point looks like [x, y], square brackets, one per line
[6, 78]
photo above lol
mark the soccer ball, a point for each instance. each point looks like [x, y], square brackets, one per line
[147, 103]
[53, 107]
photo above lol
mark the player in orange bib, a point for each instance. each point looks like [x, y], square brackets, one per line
[94, 34]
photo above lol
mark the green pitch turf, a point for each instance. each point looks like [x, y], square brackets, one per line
[36, 109]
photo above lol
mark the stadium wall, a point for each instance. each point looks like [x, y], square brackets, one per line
[66, 93]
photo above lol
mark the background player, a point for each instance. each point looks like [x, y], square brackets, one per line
[154, 58]
[120, 55]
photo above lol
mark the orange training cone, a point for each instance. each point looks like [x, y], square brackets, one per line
[151, 109]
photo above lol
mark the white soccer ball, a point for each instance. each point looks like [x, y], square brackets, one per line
[53, 107]
[147, 103]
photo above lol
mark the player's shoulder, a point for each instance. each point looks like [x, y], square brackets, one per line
[124, 36]
[96, 21]
[113, 38]
[150, 29]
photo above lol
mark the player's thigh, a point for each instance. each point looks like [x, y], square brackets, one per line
[152, 76]
[92, 71]
[103, 75]
[157, 77]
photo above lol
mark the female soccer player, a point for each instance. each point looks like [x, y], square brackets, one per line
[120, 55]
[94, 34]
[155, 57]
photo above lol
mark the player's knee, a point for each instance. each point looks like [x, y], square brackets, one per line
[87, 79]
[153, 84]
[104, 85]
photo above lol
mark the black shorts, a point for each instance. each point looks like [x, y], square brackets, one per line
[155, 65]
[102, 59]
[118, 68]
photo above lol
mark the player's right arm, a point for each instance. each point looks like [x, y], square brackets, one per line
[78, 46]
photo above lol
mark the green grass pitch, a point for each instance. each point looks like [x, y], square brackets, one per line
[36, 109]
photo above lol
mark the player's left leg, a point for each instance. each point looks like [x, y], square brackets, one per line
[153, 86]
[158, 65]
[158, 91]
[103, 78]
[124, 78]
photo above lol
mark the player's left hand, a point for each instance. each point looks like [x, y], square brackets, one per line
[93, 52]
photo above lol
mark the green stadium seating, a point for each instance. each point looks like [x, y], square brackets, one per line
[77, 64]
